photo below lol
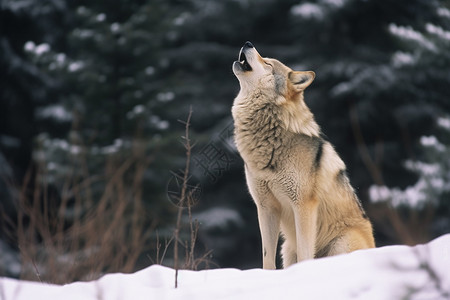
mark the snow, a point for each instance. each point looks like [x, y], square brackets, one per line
[61, 58]
[181, 19]
[114, 148]
[336, 3]
[379, 193]
[36, 49]
[42, 48]
[400, 59]
[56, 112]
[82, 10]
[441, 33]
[312, 10]
[443, 12]
[423, 168]
[308, 11]
[75, 66]
[392, 272]
[219, 217]
[433, 183]
[138, 110]
[101, 17]
[84, 33]
[115, 27]
[165, 96]
[407, 33]
[150, 70]
[444, 123]
[412, 196]
[158, 123]
[432, 141]
[380, 77]
[29, 46]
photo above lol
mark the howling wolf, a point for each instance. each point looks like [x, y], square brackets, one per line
[296, 178]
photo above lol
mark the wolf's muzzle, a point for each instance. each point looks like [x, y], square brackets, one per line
[242, 63]
[248, 45]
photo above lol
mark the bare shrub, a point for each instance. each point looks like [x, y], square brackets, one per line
[68, 236]
[186, 201]
[91, 225]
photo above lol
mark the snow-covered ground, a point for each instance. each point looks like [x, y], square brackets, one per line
[392, 272]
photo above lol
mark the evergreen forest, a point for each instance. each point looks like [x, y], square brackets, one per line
[116, 135]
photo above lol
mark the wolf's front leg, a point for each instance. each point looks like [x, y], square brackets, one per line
[269, 214]
[269, 225]
[305, 214]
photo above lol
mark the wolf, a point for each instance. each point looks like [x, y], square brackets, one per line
[294, 175]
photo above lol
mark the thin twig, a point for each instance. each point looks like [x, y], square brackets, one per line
[188, 147]
[36, 270]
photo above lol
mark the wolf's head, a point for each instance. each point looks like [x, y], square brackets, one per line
[268, 81]
[257, 73]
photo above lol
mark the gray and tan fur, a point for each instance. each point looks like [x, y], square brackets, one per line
[296, 178]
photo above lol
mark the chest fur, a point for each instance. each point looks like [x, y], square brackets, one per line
[260, 136]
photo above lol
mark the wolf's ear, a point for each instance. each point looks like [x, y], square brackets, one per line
[301, 80]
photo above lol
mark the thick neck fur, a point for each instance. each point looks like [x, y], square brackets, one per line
[262, 124]
[298, 118]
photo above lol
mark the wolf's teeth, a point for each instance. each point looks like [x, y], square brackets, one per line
[242, 61]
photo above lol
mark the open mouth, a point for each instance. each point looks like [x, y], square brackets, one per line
[243, 61]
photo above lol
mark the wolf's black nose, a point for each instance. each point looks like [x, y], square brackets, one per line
[248, 45]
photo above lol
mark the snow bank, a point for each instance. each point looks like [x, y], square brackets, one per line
[392, 272]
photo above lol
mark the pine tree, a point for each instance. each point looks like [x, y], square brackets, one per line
[429, 195]
[373, 105]
[112, 89]
[121, 76]
[421, 68]
[24, 87]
